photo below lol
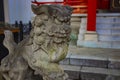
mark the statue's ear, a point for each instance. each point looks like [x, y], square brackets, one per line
[39, 9]
[70, 9]
[35, 9]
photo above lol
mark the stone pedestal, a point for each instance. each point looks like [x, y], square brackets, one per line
[91, 36]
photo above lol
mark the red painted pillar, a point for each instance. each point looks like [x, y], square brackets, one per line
[91, 20]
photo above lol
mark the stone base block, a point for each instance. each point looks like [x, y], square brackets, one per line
[65, 61]
[110, 77]
[94, 44]
[73, 75]
[91, 36]
[75, 62]
[92, 76]
[116, 45]
[114, 65]
[72, 71]
[89, 63]
[94, 63]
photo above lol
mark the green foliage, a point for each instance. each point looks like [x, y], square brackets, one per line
[73, 36]
[73, 39]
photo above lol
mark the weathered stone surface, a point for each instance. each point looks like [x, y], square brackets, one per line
[91, 36]
[92, 76]
[89, 62]
[92, 73]
[108, 19]
[108, 31]
[39, 54]
[114, 65]
[94, 63]
[72, 71]
[71, 68]
[1, 77]
[110, 77]
[104, 71]
[65, 61]
[73, 74]
[75, 62]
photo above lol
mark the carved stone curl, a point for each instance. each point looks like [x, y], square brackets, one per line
[40, 53]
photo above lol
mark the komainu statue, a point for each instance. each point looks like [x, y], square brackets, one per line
[37, 56]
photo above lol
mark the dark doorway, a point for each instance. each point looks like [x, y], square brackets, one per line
[1, 11]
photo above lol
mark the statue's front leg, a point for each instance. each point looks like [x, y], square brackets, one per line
[21, 75]
[47, 66]
[6, 76]
[49, 71]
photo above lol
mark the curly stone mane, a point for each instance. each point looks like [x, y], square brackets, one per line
[39, 54]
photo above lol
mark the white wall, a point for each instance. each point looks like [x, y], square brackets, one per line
[18, 10]
[6, 11]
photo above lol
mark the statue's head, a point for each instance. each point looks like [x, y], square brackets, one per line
[51, 22]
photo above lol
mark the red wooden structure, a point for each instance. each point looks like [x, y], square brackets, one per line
[91, 19]
[92, 8]
[79, 6]
[39, 3]
[83, 6]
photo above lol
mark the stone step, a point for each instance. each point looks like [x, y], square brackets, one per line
[100, 44]
[101, 20]
[88, 61]
[108, 26]
[110, 61]
[101, 26]
[108, 33]
[72, 71]
[75, 19]
[75, 24]
[99, 14]
[115, 44]
[95, 44]
[91, 36]
[113, 32]
[100, 71]
[94, 53]
[90, 73]
[113, 38]
[92, 63]
[108, 19]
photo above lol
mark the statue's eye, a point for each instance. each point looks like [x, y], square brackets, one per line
[57, 21]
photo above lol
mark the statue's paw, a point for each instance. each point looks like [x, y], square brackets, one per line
[64, 76]
[58, 76]
[5, 66]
